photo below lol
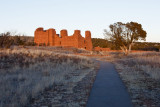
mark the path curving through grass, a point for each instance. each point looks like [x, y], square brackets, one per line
[108, 89]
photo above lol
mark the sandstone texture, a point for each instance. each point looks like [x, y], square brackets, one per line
[50, 38]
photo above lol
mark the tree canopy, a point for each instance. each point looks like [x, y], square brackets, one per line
[123, 35]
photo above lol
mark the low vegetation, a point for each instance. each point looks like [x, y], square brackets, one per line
[9, 39]
[141, 74]
[25, 72]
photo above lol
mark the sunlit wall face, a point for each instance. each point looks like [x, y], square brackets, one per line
[94, 15]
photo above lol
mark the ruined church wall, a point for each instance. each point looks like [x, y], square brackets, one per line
[81, 42]
[51, 33]
[89, 44]
[56, 40]
[49, 37]
[69, 41]
[41, 37]
[88, 40]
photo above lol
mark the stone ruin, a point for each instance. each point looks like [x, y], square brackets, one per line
[101, 49]
[50, 38]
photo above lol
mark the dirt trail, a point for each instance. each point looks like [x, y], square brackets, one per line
[108, 89]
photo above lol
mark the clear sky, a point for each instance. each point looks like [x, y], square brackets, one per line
[25, 16]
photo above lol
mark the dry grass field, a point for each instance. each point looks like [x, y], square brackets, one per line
[57, 76]
[25, 73]
[140, 71]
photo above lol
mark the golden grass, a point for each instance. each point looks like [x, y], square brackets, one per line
[141, 74]
[26, 72]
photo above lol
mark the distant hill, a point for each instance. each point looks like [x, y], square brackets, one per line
[146, 46]
[7, 41]
[99, 42]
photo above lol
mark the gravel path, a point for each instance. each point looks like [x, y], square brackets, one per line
[108, 90]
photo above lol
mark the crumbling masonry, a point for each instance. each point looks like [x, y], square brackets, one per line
[50, 38]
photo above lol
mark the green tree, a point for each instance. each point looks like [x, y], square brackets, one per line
[99, 42]
[123, 35]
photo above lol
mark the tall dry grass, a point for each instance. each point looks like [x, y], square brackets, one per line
[141, 74]
[26, 72]
[149, 62]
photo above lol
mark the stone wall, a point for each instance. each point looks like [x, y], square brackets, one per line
[101, 49]
[50, 38]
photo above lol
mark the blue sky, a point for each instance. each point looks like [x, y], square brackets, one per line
[25, 16]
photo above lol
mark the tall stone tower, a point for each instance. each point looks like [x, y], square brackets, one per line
[88, 40]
